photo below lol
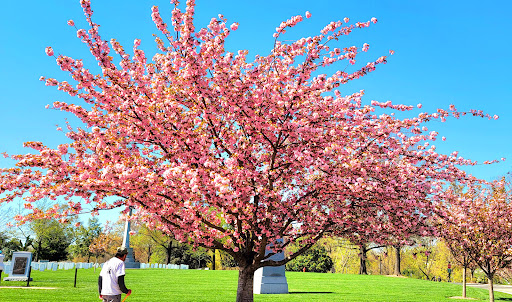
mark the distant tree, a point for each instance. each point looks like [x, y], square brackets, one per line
[52, 239]
[12, 245]
[6, 216]
[424, 252]
[161, 240]
[106, 243]
[143, 246]
[193, 257]
[370, 227]
[315, 260]
[3, 239]
[476, 222]
[83, 237]
[226, 260]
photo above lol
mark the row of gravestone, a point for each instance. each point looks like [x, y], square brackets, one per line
[53, 266]
[167, 266]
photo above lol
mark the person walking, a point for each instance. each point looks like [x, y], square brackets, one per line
[449, 270]
[111, 279]
[1, 265]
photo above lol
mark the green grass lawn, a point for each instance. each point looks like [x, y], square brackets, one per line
[191, 285]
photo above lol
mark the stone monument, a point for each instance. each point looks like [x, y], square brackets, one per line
[20, 271]
[130, 261]
[271, 279]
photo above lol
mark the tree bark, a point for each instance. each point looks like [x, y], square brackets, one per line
[491, 290]
[362, 260]
[38, 251]
[244, 292]
[464, 281]
[213, 259]
[398, 271]
[169, 252]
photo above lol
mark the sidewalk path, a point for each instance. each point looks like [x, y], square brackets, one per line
[498, 288]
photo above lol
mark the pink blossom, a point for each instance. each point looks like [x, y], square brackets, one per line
[71, 23]
[308, 14]
[49, 51]
[234, 26]
[346, 20]
[374, 20]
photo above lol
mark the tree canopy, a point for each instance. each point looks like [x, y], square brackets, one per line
[228, 153]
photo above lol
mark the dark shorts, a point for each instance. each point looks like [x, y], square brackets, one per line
[116, 298]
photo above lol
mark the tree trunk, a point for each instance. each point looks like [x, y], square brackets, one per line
[362, 260]
[38, 251]
[169, 252]
[244, 292]
[464, 282]
[491, 290]
[397, 261]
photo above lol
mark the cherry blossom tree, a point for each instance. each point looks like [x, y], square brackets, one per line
[476, 224]
[227, 153]
[372, 227]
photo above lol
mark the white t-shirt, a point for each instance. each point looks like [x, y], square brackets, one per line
[111, 270]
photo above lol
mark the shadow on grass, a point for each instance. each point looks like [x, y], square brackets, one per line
[503, 299]
[311, 293]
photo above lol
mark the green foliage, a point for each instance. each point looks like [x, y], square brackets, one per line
[315, 260]
[9, 246]
[162, 248]
[226, 260]
[52, 240]
[83, 237]
[3, 242]
[343, 254]
[185, 254]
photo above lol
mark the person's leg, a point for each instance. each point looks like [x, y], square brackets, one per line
[116, 298]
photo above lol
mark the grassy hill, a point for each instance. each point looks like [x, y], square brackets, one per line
[191, 285]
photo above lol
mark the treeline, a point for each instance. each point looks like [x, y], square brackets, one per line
[426, 258]
[54, 240]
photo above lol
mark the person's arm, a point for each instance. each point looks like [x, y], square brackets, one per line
[122, 286]
[100, 283]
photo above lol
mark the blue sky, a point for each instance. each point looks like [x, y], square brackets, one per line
[446, 52]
